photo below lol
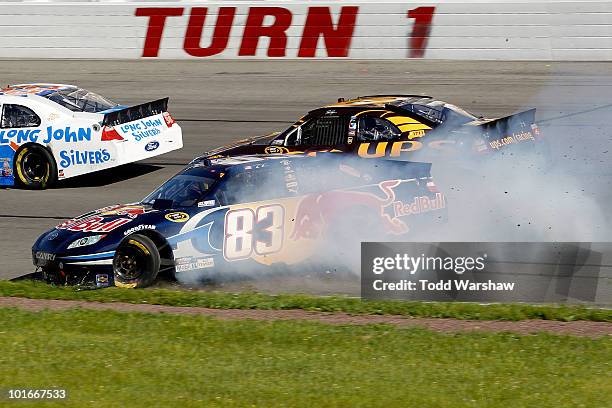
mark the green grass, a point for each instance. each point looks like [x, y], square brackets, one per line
[223, 300]
[113, 359]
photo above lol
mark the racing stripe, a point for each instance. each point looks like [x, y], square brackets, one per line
[410, 126]
[100, 255]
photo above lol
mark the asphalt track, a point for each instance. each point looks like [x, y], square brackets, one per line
[219, 101]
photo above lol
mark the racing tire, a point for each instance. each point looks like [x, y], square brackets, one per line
[35, 167]
[136, 262]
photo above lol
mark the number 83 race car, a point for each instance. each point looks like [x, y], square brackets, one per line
[50, 132]
[219, 214]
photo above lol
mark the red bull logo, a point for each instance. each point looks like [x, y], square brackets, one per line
[131, 211]
[419, 205]
[316, 211]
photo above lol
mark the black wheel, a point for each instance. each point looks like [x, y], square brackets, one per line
[136, 262]
[35, 167]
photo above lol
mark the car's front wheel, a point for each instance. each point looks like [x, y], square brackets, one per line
[35, 167]
[136, 262]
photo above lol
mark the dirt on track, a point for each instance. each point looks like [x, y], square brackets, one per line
[575, 328]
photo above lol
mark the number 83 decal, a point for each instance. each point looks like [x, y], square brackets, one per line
[247, 231]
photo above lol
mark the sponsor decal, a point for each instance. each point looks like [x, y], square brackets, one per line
[44, 256]
[131, 211]
[207, 203]
[316, 210]
[382, 149]
[143, 128]
[6, 165]
[416, 133]
[60, 173]
[6, 170]
[19, 136]
[83, 157]
[419, 205]
[102, 280]
[66, 134]
[276, 149]
[290, 180]
[149, 147]
[177, 217]
[512, 139]
[52, 236]
[190, 264]
[139, 228]
[93, 223]
[352, 129]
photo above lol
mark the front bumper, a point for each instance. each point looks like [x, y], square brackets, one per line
[95, 270]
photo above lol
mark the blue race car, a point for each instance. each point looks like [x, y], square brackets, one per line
[219, 214]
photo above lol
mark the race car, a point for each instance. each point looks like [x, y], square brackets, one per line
[219, 215]
[50, 132]
[396, 126]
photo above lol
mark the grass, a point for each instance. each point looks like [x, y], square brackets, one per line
[223, 300]
[106, 359]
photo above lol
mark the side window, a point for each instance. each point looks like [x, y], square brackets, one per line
[374, 129]
[327, 130]
[18, 116]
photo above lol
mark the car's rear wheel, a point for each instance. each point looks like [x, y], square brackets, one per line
[35, 167]
[136, 262]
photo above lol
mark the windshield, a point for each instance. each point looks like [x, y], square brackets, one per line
[81, 100]
[185, 190]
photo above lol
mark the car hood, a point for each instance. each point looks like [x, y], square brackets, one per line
[262, 140]
[112, 221]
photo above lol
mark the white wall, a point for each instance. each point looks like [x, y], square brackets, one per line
[544, 30]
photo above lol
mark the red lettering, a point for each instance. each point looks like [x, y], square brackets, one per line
[157, 21]
[420, 31]
[254, 29]
[337, 39]
[220, 37]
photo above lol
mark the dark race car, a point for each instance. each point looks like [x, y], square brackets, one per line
[397, 126]
[218, 214]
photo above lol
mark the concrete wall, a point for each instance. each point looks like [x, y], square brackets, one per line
[449, 29]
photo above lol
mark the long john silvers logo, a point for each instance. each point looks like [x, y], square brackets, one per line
[487, 272]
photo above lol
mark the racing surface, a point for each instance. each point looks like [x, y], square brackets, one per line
[216, 102]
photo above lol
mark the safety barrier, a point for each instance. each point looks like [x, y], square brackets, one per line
[449, 29]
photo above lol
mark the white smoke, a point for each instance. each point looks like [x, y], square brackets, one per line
[560, 194]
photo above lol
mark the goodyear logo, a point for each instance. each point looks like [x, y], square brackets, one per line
[177, 217]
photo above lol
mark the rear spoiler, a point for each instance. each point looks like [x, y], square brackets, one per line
[508, 124]
[135, 112]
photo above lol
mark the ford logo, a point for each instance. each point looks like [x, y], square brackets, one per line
[151, 146]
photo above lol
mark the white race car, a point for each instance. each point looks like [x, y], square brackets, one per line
[52, 131]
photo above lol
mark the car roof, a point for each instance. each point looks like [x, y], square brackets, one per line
[239, 163]
[38, 89]
[379, 101]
